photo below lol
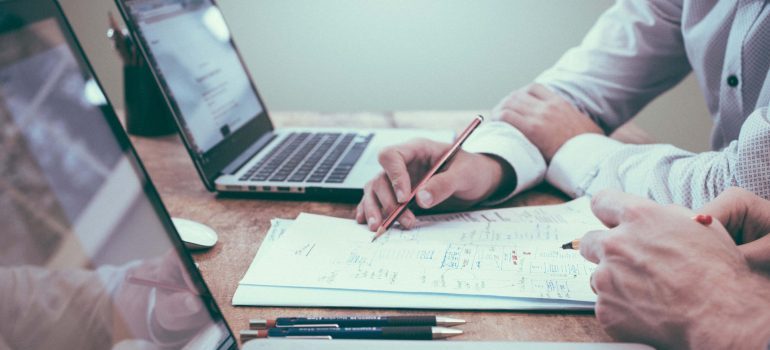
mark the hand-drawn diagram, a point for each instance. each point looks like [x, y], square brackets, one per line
[493, 258]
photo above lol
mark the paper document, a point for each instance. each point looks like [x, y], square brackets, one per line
[515, 257]
[495, 259]
[255, 295]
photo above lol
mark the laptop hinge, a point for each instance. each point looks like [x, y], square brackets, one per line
[247, 154]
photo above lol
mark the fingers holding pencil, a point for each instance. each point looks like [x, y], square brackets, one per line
[470, 179]
[426, 198]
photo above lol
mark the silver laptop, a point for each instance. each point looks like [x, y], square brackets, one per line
[89, 257]
[224, 122]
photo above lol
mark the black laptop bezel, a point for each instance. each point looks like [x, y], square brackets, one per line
[211, 164]
[31, 11]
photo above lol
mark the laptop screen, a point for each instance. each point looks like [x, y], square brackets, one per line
[189, 47]
[89, 258]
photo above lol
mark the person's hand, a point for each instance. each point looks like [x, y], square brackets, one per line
[178, 313]
[666, 280]
[469, 179]
[545, 118]
[747, 217]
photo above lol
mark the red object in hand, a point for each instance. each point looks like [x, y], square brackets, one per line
[703, 219]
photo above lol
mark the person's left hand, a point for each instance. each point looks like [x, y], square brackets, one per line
[545, 118]
[747, 217]
[666, 280]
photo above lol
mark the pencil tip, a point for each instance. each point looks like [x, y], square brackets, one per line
[379, 233]
[566, 245]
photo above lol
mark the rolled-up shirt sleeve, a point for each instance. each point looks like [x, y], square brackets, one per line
[633, 53]
[502, 140]
[588, 164]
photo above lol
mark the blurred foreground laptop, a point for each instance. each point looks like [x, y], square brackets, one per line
[224, 122]
[89, 258]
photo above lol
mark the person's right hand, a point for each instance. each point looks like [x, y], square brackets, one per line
[747, 217]
[469, 179]
[668, 281]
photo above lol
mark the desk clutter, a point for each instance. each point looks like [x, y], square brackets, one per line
[355, 327]
[506, 259]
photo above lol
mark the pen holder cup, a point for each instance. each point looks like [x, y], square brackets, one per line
[147, 113]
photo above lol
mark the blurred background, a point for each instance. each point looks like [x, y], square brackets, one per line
[353, 56]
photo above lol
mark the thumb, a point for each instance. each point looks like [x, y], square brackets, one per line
[438, 188]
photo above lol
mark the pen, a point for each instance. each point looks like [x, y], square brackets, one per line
[450, 153]
[356, 321]
[156, 284]
[404, 333]
[702, 219]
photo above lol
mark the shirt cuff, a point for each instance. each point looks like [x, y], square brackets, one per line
[501, 139]
[576, 163]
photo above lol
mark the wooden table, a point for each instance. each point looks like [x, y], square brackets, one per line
[243, 223]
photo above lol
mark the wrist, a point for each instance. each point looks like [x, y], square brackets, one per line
[502, 178]
[740, 320]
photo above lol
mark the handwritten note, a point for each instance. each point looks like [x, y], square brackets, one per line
[492, 258]
[574, 212]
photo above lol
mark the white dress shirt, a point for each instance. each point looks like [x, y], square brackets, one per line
[636, 51]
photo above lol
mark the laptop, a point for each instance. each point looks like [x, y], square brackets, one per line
[223, 120]
[89, 257]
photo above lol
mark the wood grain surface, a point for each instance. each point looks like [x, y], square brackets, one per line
[243, 223]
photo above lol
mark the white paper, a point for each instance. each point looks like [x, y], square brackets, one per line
[484, 264]
[493, 259]
[248, 295]
[577, 211]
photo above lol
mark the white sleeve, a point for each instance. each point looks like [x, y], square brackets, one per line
[587, 164]
[508, 143]
[633, 53]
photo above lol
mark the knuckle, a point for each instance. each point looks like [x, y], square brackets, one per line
[387, 155]
[635, 212]
[735, 192]
[531, 87]
[507, 116]
[369, 186]
[551, 109]
[602, 313]
[612, 245]
[601, 279]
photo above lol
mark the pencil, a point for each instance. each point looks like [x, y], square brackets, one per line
[450, 153]
[575, 244]
[702, 219]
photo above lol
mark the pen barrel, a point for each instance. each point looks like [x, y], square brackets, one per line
[404, 333]
[358, 321]
[410, 333]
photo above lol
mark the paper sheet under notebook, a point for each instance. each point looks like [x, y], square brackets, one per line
[493, 259]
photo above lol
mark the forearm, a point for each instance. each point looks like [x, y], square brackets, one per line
[633, 53]
[589, 163]
[54, 309]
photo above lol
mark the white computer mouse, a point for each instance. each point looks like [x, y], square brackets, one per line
[195, 235]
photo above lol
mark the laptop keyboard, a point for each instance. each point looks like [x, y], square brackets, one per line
[310, 157]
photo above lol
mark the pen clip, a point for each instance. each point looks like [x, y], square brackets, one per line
[328, 325]
[320, 337]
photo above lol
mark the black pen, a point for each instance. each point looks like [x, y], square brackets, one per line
[356, 321]
[403, 333]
